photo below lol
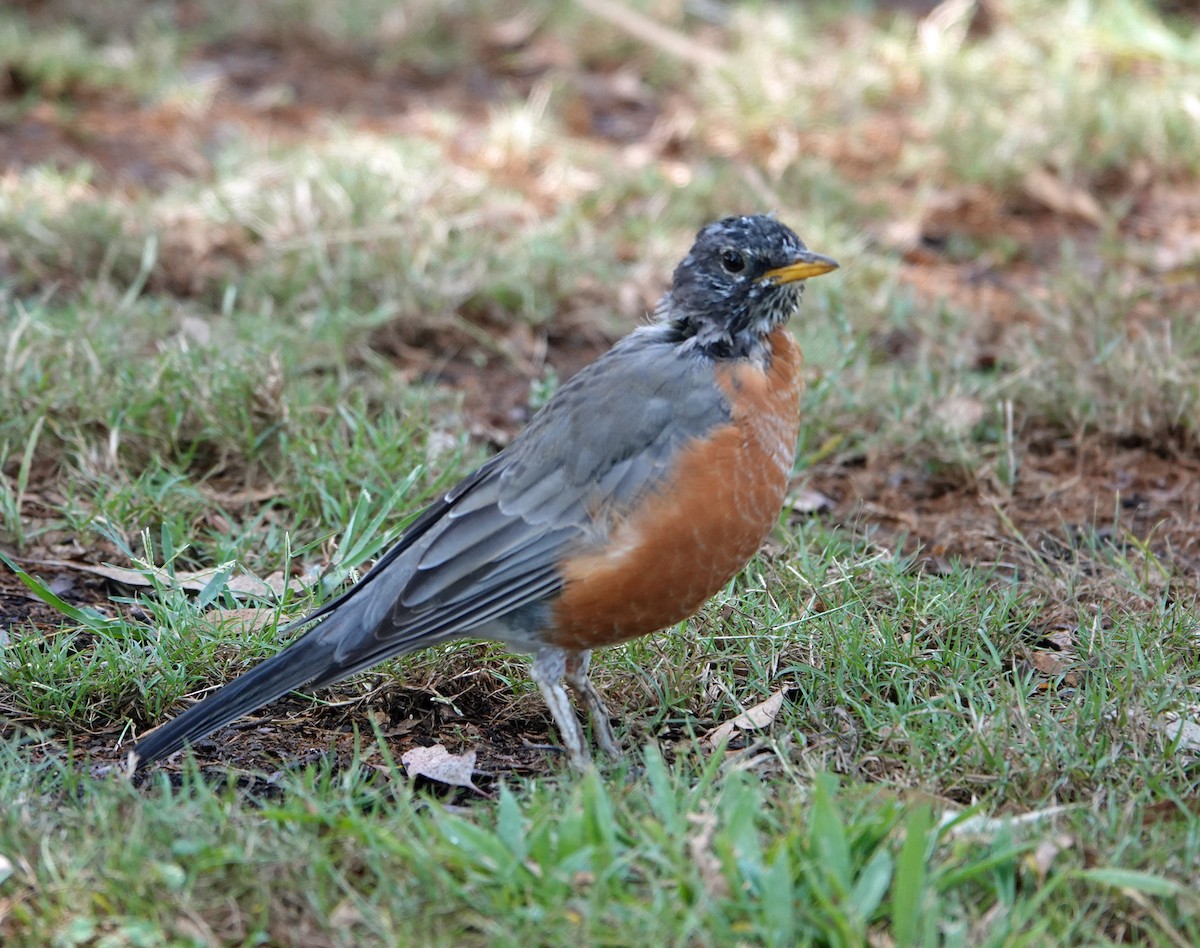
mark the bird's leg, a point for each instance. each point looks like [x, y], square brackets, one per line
[549, 667]
[577, 677]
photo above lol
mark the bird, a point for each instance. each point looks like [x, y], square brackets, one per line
[638, 490]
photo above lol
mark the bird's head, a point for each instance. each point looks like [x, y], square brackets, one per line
[741, 280]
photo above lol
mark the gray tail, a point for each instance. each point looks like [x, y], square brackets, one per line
[310, 660]
[344, 642]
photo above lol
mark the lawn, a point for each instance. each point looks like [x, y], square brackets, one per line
[273, 275]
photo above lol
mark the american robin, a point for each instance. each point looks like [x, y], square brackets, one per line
[639, 489]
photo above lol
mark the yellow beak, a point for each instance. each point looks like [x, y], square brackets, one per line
[807, 264]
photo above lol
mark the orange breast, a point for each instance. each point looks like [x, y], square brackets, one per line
[684, 541]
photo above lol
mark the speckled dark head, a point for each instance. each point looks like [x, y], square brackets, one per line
[742, 279]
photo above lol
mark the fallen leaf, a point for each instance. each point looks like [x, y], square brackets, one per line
[241, 498]
[1054, 665]
[1042, 858]
[1063, 639]
[345, 915]
[190, 580]
[752, 719]
[1056, 194]
[438, 764]
[1183, 732]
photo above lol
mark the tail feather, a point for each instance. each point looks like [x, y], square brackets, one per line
[287, 671]
[304, 661]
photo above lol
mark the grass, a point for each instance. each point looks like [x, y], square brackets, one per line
[364, 857]
[980, 649]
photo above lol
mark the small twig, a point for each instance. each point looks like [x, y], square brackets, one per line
[653, 33]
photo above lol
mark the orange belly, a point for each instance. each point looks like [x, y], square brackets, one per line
[686, 539]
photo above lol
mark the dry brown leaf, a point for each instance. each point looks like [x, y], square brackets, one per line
[190, 580]
[193, 581]
[752, 719]
[345, 915]
[1057, 195]
[438, 764]
[1042, 858]
[1048, 662]
[1062, 638]
[1166, 810]
[241, 498]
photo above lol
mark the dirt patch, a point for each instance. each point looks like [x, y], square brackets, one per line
[495, 382]
[1073, 500]
[128, 146]
[20, 608]
[299, 79]
[462, 712]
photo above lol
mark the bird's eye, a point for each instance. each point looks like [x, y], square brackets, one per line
[733, 261]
